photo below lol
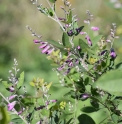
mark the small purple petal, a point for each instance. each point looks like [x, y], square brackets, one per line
[45, 49]
[11, 89]
[88, 40]
[50, 51]
[60, 68]
[43, 46]
[70, 64]
[113, 54]
[82, 33]
[21, 111]
[53, 100]
[109, 41]
[36, 41]
[11, 105]
[85, 96]
[78, 47]
[95, 28]
[12, 97]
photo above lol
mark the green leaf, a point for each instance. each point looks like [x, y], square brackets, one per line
[52, 1]
[95, 40]
[56, 44]
[17, 121]
[85, 119]
[5, 118]
[78, 30]
[6, 84]
[50, 12]
[119, 66]
[88, 109]
[65, 40]
[83, 45]
[20, 80]
[28, 101]
[69, 18]
[110, 82]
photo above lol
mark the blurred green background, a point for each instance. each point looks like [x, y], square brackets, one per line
[16, 40]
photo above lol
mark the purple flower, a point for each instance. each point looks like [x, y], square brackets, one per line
[11, 89]
[50, 51]
[53, 100]
[11, 105]
[21, 111]
[36, 41]
[60, 68]
[112, 54]
[61, 19]
[45, 49]
[78, 47]
[44, 44]
[95, 28]
[70, 33]
[82, 33]
[88, 40]
[12, 97]
[85, 96]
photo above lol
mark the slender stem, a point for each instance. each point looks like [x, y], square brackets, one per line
[13, 109]
[56, 18]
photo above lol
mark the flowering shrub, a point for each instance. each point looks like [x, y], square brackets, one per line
[85, 67]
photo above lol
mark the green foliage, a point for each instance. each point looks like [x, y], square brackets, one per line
[90, 80]
[110, 83]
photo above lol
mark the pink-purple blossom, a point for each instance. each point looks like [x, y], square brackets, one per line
[21, 111]
[12, 97]
[11, 89]
[36, 41]
[82, 32]
[11, 105]
[88, 40]
[94, 28]
[113, 54]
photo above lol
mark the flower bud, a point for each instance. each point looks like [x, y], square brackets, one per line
[112, 54]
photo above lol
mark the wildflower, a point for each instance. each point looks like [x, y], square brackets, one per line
[112, 54]
[85, 96]
[45, 49]
[21, 111]
[44, 44]
[53, 100]
[88, 40]
[12, 97]
[82, 33]
[78, 47]
[36, 41]
[11, 89]
[48, 49]
[11, 105]
[95, 28]
[61, 19]
[70, 33]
